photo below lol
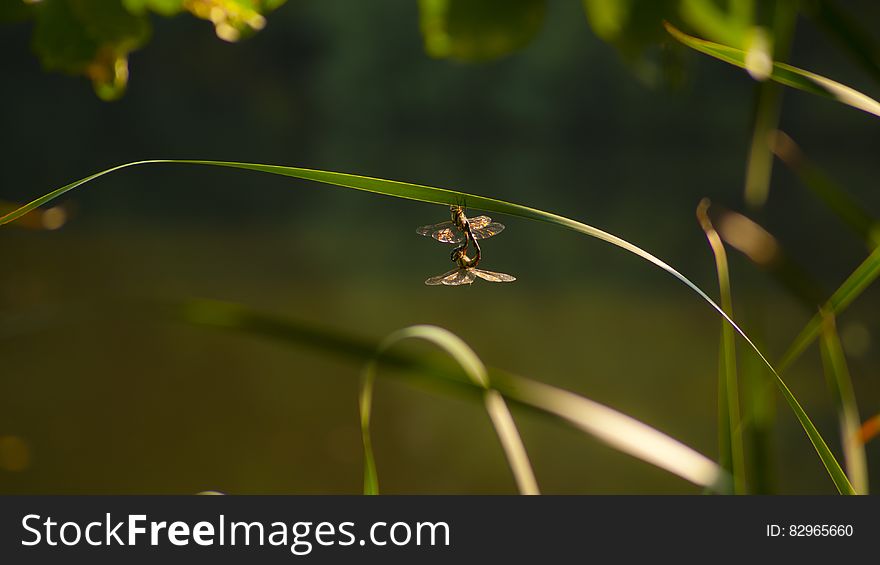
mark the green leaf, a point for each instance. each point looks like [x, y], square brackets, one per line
[759, 410]
[473, 367]
[707, 17]
[768, 98]
[479, 30]
[232, 19]
[91, 38]
[865, 274]
[94, 38]
[731, 457]
[444, 196]
[608, 19]
[161, 7]
[841, 388]
[365, 407]
[783, 73]
[632, 26]
[614, 428]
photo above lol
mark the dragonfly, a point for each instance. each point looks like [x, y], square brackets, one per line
[454, 230]
[467, 272]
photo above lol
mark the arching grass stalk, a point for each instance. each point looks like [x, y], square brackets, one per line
[620, 431]
[729, 423]
[473, 367]
[842, 392]
[444, 196]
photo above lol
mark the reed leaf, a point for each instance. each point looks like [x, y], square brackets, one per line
[444, 196]
[783, 73]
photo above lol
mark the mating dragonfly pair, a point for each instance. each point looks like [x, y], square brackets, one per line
[466, 231]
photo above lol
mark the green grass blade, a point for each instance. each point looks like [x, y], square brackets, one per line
[614, 428]
[768, 101]
[841, 387]
[865, 274]
[473, 367]
[732, 457]
[759, 417]
[783, 73]
[412, 192]
[365, 406]
[831, 465]
[444, 196]
[759, 165]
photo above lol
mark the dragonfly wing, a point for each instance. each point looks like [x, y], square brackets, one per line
[444, 232]
[492, 276]
[431, 228]
[463, 276]
[488, 230]
[448, 235]
[479, 222]
[440, 279]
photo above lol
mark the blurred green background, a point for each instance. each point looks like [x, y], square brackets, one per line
[102, 399]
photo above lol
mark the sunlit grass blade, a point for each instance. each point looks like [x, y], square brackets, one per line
[852, 287]
[444, 196]
[614, 428]
[729, 425]
[841, 387]
[48, 219]
[838, 200]
[831, 465]
[473, 367]
[783, 73]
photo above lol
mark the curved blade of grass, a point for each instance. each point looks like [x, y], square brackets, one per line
[48, 219]
[840, 384]
[865, 274]
[783, 73]
[614, 428]
[730, 442]
[759, 418]
[444, 196]
[473, 367]
[365, 406]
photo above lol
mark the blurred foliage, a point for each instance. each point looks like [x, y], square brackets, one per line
[479, 30]
[93, 38]
[595, 121]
